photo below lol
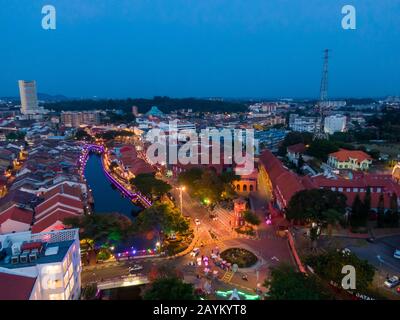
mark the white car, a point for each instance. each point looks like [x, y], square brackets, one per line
[135, 267]
[195, 252]
[392, 282]
[197, 221]
[396, 254]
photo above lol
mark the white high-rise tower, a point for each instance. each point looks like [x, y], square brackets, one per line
[29, 102]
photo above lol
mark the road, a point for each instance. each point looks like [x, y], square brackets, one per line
[379, 254]
[215, 234]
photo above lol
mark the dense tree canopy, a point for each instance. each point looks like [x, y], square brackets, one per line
[101, 227]
[161, 217]
[313, 205]
[320, 149]
[165, 104]
[251, 218]
[170, 289]
[149, 185]
[288, 284]
[207, 185]
[329, 266]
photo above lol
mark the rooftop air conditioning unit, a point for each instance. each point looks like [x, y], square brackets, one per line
[16, 248]
[33, 256]
[14, 259]
[23, 258]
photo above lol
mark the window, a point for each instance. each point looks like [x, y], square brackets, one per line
[251, 187]
[244, 187]
[238, 187]
[53, 283]
[56, 296]
[340, 189]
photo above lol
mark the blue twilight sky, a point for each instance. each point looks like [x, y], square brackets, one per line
[181, 48]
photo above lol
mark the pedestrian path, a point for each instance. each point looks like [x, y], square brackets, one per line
[227, 276]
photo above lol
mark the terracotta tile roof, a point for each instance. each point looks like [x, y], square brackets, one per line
[61, 200]
[16, 214]
[15, 287]
[343, 155]
[297, 148]
[51, 219]
[64, 188]
[285, 181]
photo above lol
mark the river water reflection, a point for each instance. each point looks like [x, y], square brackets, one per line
[108, 200]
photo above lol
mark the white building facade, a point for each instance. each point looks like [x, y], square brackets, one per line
[53, 258]
[335, 123]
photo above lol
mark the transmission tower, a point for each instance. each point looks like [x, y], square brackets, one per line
[319, 130]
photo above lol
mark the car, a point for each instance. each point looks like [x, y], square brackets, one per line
[135, 267]
[195, 252]
[396, 254]
[371, 240]
[392, 282]
[346, 251]
[197, 221]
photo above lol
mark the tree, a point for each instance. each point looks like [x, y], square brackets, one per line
[331, 217]
[394, 211]
[161, 217]
[381, 212]
[170, 289]
[310, 205]
[294, 138]
[149, 185]
[251, 218]
[288, 284]
[367, 204]
[321, 148]
[329, 266]
[357, 217]
[106, 228]
[17, 135]
[316, 206]
[83, 135]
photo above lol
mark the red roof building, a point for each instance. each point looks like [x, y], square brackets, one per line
[280, 184]
[59, 203]
[16, 287]
[350, 159]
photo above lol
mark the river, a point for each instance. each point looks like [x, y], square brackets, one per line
[108, 200]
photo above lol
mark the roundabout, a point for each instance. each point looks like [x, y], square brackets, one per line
[240, 256]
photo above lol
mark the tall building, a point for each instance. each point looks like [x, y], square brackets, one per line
[75, 119]
[28, 95]
[41, 266]
[304, 124]
[135, 111]
[335, 123]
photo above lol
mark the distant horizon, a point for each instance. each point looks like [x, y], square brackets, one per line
[71, 98]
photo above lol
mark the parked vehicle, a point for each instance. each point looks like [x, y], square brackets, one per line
[197, 221]
[396, 254]
[371, 240]
[195, 252]
[136, 267]
[392, 282]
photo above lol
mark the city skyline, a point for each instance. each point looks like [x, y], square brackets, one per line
[134, 49]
